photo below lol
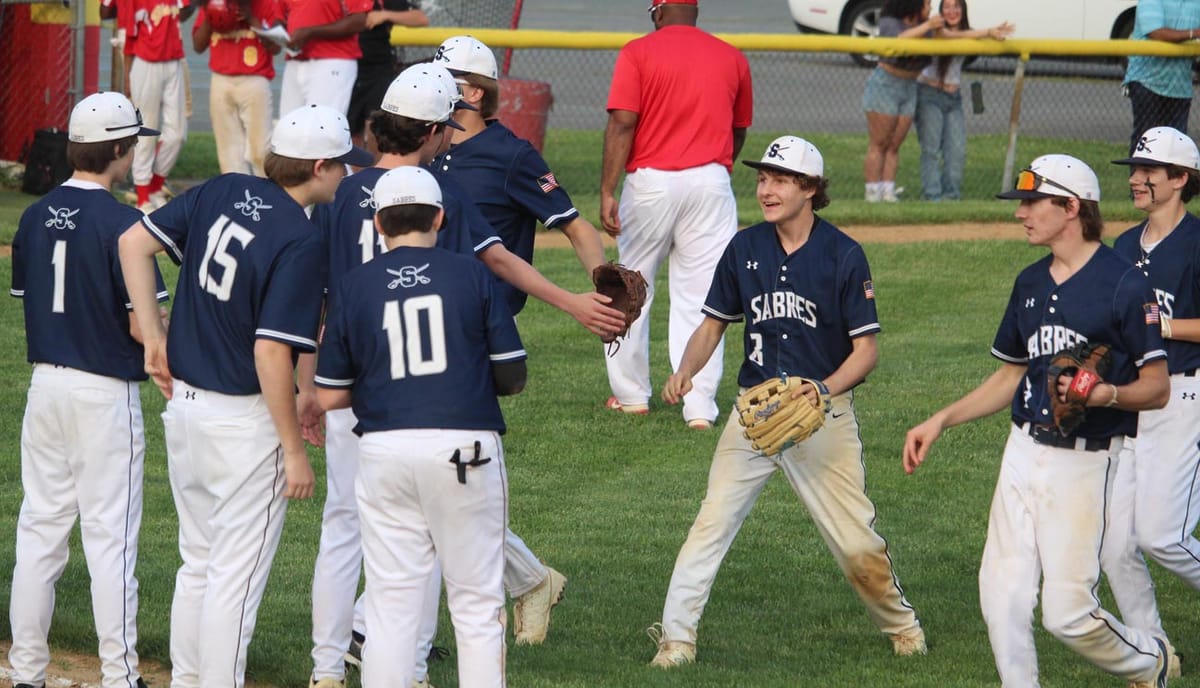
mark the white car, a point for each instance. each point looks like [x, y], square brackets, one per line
[1081, 19]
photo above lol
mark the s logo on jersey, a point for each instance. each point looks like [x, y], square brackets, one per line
[60, 218]
[368, 200]
[783, 304]
[251, 206]
[408, 276]
[1050, 339]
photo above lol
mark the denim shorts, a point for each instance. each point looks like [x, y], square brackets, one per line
[890, 95]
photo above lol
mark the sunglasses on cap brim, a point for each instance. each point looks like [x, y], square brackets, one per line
[1028, 180]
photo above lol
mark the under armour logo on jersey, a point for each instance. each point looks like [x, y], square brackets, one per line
[251, 206]
[369, 200]
[773, 151]
[752, 265]
[1030, 303]
[408, 276]
[60, 218]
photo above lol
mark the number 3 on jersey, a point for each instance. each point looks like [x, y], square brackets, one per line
[216, 251]
[405, 334]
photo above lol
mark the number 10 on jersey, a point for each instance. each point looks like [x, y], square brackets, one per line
[405, 325]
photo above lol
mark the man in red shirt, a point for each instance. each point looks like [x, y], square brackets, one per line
[157, 87]
[678, 110]
[239, 100]
[323, 53]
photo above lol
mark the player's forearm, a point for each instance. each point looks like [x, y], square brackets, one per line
[992, 395]
[856, 367]
[1151, 390]
[137, 248]
[510, 268]
[273, 363]
[1183, 330]
[618, 142]
[201, 35]
[739, 140]
[333, 399]
[585, 239]
[400, 17]
[348, 25]
[700, 346]
[1174, 35]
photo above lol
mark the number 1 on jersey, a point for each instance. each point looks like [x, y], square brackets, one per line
[404, 336]
[59, 261]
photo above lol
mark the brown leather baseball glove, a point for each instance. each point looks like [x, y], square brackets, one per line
[626, 288]
[1089, 364]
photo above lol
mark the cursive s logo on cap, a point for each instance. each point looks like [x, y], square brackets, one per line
[774, 151]
[440, 55]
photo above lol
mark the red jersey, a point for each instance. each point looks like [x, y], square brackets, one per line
[153, 28]
[690, 90]
[305, 13]
[235, 49]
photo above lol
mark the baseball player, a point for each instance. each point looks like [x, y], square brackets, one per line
[1049, 510]
[509, 181]
[82, 444]
[250, 291]
[322, 57]
[805, 291]
[678, 109]
[1155, 496]
[242, 68]
[431, 484]
[157, 86]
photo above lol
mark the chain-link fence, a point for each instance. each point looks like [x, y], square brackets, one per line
[37, 71]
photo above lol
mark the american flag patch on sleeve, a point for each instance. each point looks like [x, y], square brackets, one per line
[869, 289]
[1151, 310]
[547, 182]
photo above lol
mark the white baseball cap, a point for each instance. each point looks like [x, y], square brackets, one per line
[447, 79]
[317, 132]
[791, 154]
[1163, 146]
[466, 55]
[417, 94]
[408, 185]
[1055, 175]
[105, 117]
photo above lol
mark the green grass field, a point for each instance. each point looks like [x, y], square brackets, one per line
[608, 500]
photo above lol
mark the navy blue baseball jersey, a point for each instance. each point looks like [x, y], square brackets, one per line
[513, 186]
[252, 266]
[802, 310]
[66, 270]
[414, 334]
[1171, 267]
[1107, 301]
[348, 223]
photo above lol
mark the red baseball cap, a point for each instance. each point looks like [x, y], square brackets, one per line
[659, 3]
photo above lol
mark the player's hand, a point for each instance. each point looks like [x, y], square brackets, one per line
[677, 386]
[298, 475]
[1061, 386]
[589, 310]
[375, 18]
[609, 219]
[299, 38]
[312, 417]
[918, 441]
[156, 365]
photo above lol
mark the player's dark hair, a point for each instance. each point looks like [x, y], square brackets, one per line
[1192, 187]
[1089, 216]
[398, 134]
[819, 184]
[288, 172]
[491, 94]
[406, 219]
[901, 9]
[96, 157]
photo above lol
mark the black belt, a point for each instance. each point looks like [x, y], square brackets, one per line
[1051, 437]
[1189, 373]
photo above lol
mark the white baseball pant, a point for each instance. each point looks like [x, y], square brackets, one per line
[827, 472]
[1156, 505]
[226, 471]
[157, 90]
[339, 561]
[1046, 523]
[686, 216]
[414, 512]
[239, 107]
[82, 451]
[324, 82]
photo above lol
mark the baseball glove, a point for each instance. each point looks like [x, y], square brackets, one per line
[774, 420]
[1089, 364]
[626, 288]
